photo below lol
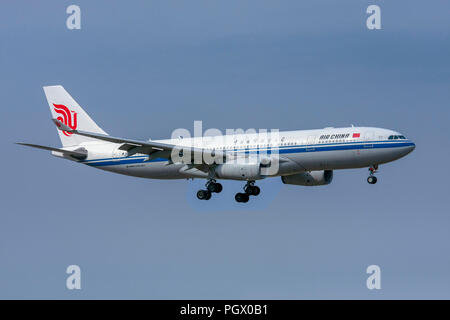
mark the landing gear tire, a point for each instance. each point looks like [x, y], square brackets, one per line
[218, 188]
[372, 179]
[203, 194]
[252, 190]
[256, 190]
[214, 187]
[241, 197]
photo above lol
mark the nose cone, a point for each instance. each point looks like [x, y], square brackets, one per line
[411, 147]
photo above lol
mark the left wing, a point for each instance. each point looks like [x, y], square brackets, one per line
[78, 154]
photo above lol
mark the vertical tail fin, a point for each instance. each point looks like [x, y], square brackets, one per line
[64, 108]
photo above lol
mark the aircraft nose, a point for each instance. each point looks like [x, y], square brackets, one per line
[411, 147]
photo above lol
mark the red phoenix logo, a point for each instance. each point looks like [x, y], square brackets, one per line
[68, 117]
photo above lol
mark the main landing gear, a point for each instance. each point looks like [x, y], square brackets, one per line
[214, 187]
[372, 179]
[250, 190]
[211, 187]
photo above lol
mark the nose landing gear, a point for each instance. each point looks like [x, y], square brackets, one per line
[250, 190]
[372, 179]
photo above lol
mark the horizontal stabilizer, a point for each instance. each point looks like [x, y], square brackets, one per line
[128, 142]
[78, 154]
[61, 126]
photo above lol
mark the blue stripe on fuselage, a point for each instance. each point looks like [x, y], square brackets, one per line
[280, 150]
[124, 160]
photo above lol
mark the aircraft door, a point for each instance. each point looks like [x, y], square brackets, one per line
[369, 136]
[310, 142]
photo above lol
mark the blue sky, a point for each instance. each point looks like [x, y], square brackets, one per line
[144, 68]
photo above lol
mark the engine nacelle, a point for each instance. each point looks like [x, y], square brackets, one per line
[236, 171]
[313, 178]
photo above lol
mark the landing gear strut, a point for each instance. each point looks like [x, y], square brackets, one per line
[250, 190]
[211, 187]
[372, 179]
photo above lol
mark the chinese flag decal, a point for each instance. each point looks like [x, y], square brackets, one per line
[356, 135]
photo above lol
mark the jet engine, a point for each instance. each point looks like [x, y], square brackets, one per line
[313, 178]
[236, 171]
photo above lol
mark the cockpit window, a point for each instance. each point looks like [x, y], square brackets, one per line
[396, 137]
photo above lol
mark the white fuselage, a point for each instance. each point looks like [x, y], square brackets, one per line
[303, 150]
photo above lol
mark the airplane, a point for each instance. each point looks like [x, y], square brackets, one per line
[302, 158]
